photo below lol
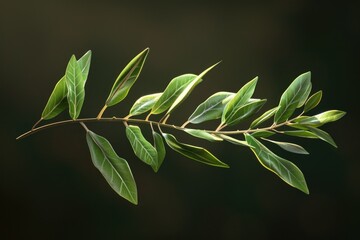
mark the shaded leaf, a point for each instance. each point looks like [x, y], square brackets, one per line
[234, 140]
[300, 133]
[144, 104]
[240, 98]
[262, 133]
[212, 108]
[171, 93]
[160, 148]
[293, 97]
[313, 101]
[323, 136]
[126, 79]
[244, 112]
[193, 152]
[75, 85]
[265, 116]
[57, 102]
[188, 89]
[290, 147]
[203, 134]
[141, 147]
[115, 170]
[285, 169]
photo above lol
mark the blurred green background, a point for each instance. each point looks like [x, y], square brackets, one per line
[49, 188]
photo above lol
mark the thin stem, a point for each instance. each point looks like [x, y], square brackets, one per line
[37, 123]
[84, 126]
[101, 112]
[185, 123]
[82, 121]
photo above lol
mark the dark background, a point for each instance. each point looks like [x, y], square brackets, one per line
[49, 187]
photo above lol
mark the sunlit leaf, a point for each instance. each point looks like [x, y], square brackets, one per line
[160, 148]
[193, 152]
[322, 118]
[285, 169]
[188, 89]
[313, 101]
[290, 147]
[203, 134]
[144, 104]
[126, 79]
[300, 133]
[171, 93]
[57, 102]
[265, 116]
[75, 85]
[115, 170]
[240, 98]
[262, 133]
[141, 147]
[212, 108]
[244, 112]
[293, 97]
[234, 140]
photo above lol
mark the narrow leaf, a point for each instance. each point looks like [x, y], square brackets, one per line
[57, 102]
[234, 140]
[240, 98]
[141, 147]
[212, 108]
[75, 85]
[115, 170]
[144, 104]
[188, 89]
[126, 79]
[323, 136]
[203, 134]
[313, 101]
[244, 112]
[193, 152]
[171, 93]
[322, 118]
[293, 97]
[290, 147]
[300, 133]
[262, 133]
[160, 149]
[285, 169]
[265, 116]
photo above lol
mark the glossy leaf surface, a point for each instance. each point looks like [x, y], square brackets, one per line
[126, 79]
[203, 134]
[75, 85]
[193, 152]
[290, 147]
[212, 108]
[322, 118]
[115, 169]
[293, 97]
[244, 112]
[323, 136]
[144, 104]
[265, 116]
[141, 147]
[313, 101]
[234, 140]
[285, 169]
[160, 149]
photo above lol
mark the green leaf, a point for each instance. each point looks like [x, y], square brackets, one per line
[322, 118]
[262, 133]
[203, 134]
[244, 112]
[171, 93]
[57, 102]
[188, 89]
[126, 79]
[234, 140]
[285, 169]
[290, 147]
[323, 136]
[144, 104]
[75, 85]
[141, 147]
[193, 152]
[160, 149]
[313, 101]
[115, 170]
[212, 108]
[300, 133]
[293, 97]
[265, 116]
[240, 98]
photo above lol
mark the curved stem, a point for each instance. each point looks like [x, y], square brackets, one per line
[102, 112]
[37, 123]
[82, 121]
